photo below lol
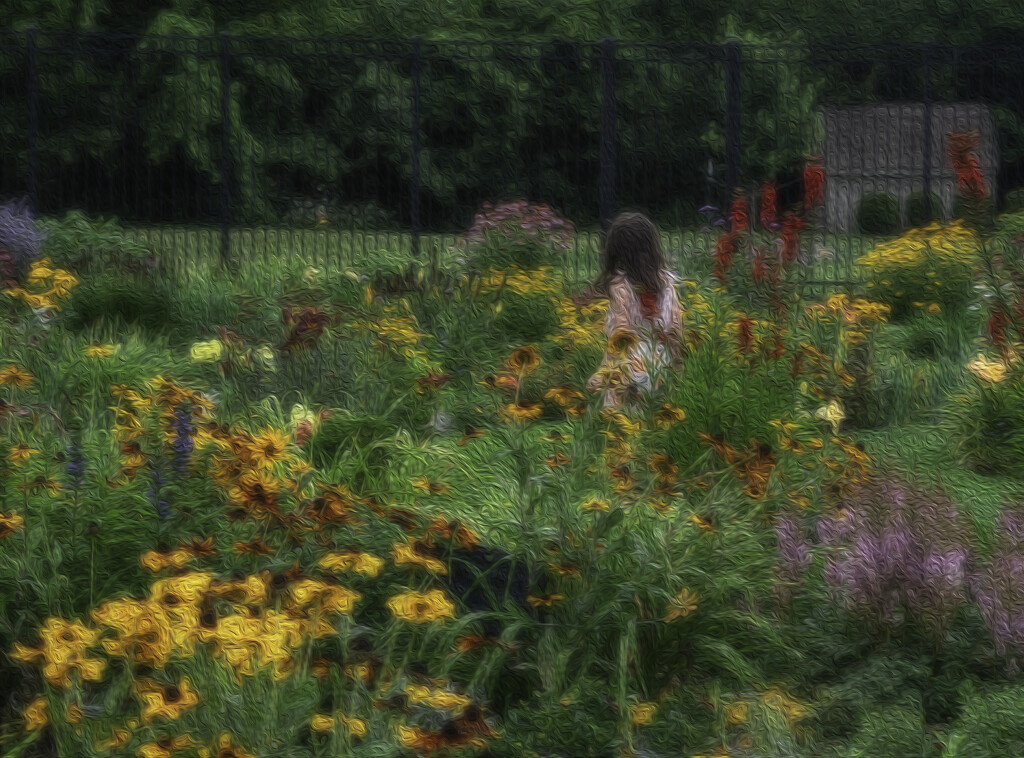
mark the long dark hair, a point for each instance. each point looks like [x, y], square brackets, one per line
[632, 245]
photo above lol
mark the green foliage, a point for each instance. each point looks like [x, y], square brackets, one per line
[878, 214]
[991, 425]
[916, 215]
[1014, 202]
[895, 731]
[525, 318]
[81, 244]
[353, 446]
[991, 723]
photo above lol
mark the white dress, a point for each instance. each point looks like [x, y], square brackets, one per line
[649, 353]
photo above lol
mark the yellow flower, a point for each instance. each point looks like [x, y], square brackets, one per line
[736, 713]
[155, 561]
[593, 504]
[563, 395]
[520, 412]
[15, 377]
[207, 352]
[166, 701]
[682, 605]
[701, 523]
[523, 360]
[832, 413]
[642, 713]
[356, 727]
[419, 607]
[361, 563]
[21, 453]
[224, 748]
[268, 447]
[668, 415]
[321, 723]
[405, 555]
[934, 308]
[436, 698]
[96, 350]
[36, 715]
[63, 650]
[990, 371]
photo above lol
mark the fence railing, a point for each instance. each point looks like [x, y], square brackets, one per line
[238, 134]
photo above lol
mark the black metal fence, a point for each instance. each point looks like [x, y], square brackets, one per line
[235, 136]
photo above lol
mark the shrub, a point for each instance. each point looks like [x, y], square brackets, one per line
[78, 243]
[916, 214]
[1014, 202]
[890, 732]
[517, 233]
[878, 213]
[990, 424]
[147, 303]
[991, 723]
[931, 265]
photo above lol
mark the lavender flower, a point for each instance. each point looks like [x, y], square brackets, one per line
[998, 589]
[75, 467]
[795, 556]
[894, 548]
[183, 444]
[20, 241]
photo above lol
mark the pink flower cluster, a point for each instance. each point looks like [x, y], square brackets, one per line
[517, 217]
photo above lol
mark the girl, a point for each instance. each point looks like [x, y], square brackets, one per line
[644, 324]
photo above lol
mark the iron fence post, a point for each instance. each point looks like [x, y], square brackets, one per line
[33, 121]
[606, 184]
[225, 152]
[927, 134]
[417, 63]
[733, 174]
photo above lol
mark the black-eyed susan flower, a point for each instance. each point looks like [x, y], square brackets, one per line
[521, 412]
[681, 606]
[662, 467]
[622, 343]
[544, 601]
[321, 723]
[40, 484]
[96, 350]
[63, 650]
[470, 434]
[595, 504]
[435, 488]
[642, 714]
[156, 560]
[21, 453]
[118, 739]
[269, 447]
[406, 554]
[421, 607]
[558, 459]
[36, 715]
[331, 598]
[166, 701]
[361, 563]
[142, 631]
[225, 747]
[12, 376]
[564, 396]
[523, 360]
[10, 523]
